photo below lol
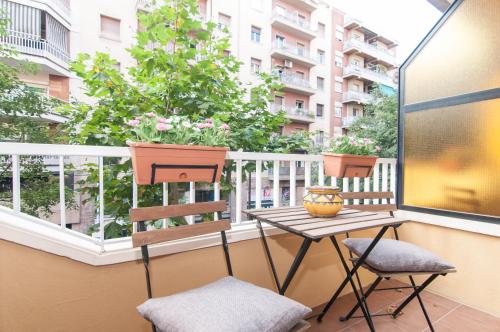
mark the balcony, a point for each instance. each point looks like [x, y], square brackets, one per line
[357, 97]
[296, 84]
[348, 121]
[295, 114]
[52, 58]
[291, 23]
[368, 75]
[296, 55]
[307, 5]
[371, 53]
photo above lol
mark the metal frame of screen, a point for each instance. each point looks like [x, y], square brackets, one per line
[437, 103]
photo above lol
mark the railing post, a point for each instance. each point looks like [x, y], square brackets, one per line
[16, 184]
[293, 182]
[239, 166]
[258, 184]
[276, 183]
[101, 200]
[307, 175]
[192, 199]
[165, 201]
[134, 201]
[216, 197]
[321, 174]
[62, 200]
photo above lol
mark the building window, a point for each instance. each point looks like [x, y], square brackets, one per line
[321, 56]
[339, 36]
[255, 65]
[224, 21]
[301, 20]
[356, 112]
[301, 49]
[226, 53]
[300, 75]
[320, 83]
[299, 106]
[319, 110]
[338, 61]
[110, 27]
[280, 41]
[338, 111]
[321, 29]
[321, 137]
[338, 86]
[280, 10]
[279, 102]
[255, 34]
[355, 62]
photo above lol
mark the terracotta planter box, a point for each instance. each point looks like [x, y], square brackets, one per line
[348, 165]
[176, 163]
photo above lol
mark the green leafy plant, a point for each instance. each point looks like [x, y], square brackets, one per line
[352, 145]
[179, 130]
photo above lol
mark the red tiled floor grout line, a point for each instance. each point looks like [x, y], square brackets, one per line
[442, 317]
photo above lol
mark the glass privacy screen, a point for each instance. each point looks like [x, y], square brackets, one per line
[450, 115]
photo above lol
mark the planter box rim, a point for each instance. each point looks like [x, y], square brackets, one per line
[177, 146]
[347, 155]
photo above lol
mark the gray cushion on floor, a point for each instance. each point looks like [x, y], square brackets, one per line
[397, 256]
[226, 305]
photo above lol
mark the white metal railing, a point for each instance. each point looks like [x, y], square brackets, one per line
[376, 52]
[347, 121]
[63, 5]
[310, 166]
[34, 45]
[294, 79]
[294, 111]
[369, 74]
[302, 53]
[294, 19]
[361, 97]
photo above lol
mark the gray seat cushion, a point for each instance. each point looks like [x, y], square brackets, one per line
[226, 305]
[397, 256]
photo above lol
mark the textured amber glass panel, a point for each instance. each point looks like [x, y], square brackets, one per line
[452, 158]
[462, 57]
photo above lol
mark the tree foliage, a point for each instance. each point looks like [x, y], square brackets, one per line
[380, 123]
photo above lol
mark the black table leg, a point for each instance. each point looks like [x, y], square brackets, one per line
[350, 273]
[268, 254]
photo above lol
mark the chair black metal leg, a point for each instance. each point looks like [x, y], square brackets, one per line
[359, 262]
[295, 265]
[368, 292]
[268, 254]
[358, 279]
[361, 301]
[417, 291]
[421, 302]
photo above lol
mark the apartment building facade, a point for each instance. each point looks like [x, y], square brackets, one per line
[326, 61]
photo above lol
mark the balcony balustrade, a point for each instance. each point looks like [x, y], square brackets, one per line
[368, 50]
[292, 23]
[297, 55]
[296, 83]
[267, 185]
[296, 114]
[357, 97]
[368, 75]
[348, 121]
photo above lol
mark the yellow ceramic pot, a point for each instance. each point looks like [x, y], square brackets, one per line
[323, 201]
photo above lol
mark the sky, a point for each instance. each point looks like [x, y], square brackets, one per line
[407, 21]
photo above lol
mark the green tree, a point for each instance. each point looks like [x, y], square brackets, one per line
[181, 68]
[380, 123]
[21, 120]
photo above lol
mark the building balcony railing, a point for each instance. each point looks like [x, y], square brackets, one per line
[369, 75]
[267, 189]
[297, 84]
[292, 23]
[307, 5]
[295, 114]
[33, 45]
[348, 121]
[297, 55]
[357, 97]
[373, 52]
[63, 5]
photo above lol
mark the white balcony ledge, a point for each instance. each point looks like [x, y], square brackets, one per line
[295, 114]
[370, 52]
[357, 97]
[294, 54]
[291, 23]
[368, 75]
[296, 84]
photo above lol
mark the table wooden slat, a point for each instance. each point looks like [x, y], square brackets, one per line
[306, 215]
[358, 226]
[337, 218]
[330, 223]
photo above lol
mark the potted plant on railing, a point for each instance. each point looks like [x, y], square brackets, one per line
[176, 149]
[350, 157]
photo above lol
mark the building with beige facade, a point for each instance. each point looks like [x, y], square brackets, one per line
[326, 61]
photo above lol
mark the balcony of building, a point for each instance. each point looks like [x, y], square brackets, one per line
[296, 83]
[347, 121]
[306, 5]
[370, 52]
[295, 114]
[297, 55]
[292, 23]
[368, 75]
[357, 97]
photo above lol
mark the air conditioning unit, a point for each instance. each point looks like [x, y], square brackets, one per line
[288, 64]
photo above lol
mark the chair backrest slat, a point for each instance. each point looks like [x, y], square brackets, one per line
[171, 211]
[381, 195]
[367, 195]
[179, 232]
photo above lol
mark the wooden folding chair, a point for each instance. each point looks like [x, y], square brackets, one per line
[366, 204]
[145, 238]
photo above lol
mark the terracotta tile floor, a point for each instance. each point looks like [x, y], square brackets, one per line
[445, 314]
